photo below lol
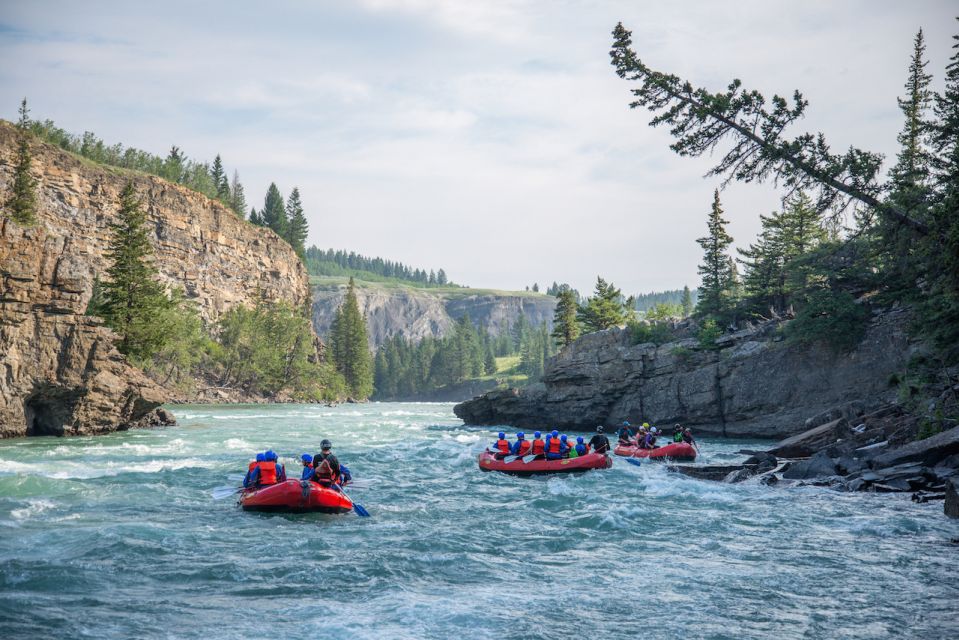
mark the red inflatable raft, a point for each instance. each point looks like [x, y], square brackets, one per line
[295, 496]
[681, 451]
[488, 462]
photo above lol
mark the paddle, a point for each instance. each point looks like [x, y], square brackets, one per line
[509, 459]
[529, 458]
[219, 493]
[634, 461]
[357, 507]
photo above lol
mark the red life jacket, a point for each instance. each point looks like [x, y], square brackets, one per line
[324, 473]
[524, 447]
[539, 447]
[554, 445]
[503, 446]
[267, 472]
[250, 468]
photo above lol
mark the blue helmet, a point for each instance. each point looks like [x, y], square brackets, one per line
[555, 433]
[520, 435]
[306, 457]
[563, 437]
[579, 439]
[537, 434]
[270, 456]
[625, 423]
[261, 457]
[501, 435]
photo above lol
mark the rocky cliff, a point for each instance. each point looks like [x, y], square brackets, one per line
[60, 373]
[754, 385]
[418, 313]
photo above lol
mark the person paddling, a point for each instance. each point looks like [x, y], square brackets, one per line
[678, 434]
[554, 446]
[522, 446]
[625, 433]
[688, 437]
[501, 446]
[538, 447]
[248, 480]
[307, 461]
[326, 468]
[599, 443]
[650, 441]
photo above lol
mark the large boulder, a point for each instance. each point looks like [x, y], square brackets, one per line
[952, 498]
[809, 442]
[928, 452]
[818, 466]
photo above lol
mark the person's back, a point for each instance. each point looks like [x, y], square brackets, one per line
[307, 461]
[326, 468]
[253, 472]
[564, 446]
[599, 443]
[581, 447]
[502, 446]
[266, 472]
[538, 447]
[522, 446]
[554, 447]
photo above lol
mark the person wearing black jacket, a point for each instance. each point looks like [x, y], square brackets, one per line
[319, 469]
[599, 443]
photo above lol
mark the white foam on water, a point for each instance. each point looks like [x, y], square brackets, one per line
[466, 439]
[72, 470]
[33, 508]
[238, 443]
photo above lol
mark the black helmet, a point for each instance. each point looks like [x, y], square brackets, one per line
[326, 444]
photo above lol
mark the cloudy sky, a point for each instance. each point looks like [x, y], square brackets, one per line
[492, 139]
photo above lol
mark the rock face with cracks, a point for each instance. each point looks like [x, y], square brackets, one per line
[59, 371]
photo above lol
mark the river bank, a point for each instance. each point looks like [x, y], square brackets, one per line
[117, 536]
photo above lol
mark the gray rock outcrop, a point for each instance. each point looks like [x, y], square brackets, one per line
[754, 385]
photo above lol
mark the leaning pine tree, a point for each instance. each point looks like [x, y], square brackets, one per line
[132, 298]
[350, 346]
[21, 205]
[717, 276]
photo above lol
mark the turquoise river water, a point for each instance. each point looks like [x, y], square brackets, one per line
[118, 537]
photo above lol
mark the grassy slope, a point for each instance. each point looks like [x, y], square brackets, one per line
[331, 282]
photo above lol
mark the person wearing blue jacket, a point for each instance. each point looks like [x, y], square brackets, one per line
[521, 447]
[556, 447]
[307, 461]
[581, 447]
[248, 480]
[280, 469]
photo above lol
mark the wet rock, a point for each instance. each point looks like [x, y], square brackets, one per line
[769, 479]
[951, 507]
[809, 442]
[929, 452]
[713, 472]
[762, 462]
[738, 476]
[848, 465]
[818, 466]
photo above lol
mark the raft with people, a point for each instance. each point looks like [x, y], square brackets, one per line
[554, 454]
[517, 465]
[296, 496]
[674, 451]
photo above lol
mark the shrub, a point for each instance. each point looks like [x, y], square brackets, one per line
[831, 317]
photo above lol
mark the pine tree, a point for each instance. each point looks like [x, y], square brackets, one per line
[910, 175]
[132, 297]
[255, 217]
[237, 199]
[605, 309]
[174, 166]
[220, 182]
[297, 227]
[687, 303]
[273, 213]
[349, 345]
[717, 277]
[565, 325]
[441, 277]
[21, 206]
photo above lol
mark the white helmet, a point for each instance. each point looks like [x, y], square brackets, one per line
[652, 430]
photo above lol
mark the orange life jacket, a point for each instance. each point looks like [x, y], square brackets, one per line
[267, 472]
[250, 468]
[555, 445]
[324, 473]
[524, 447]
[539, 447]
[503, 446]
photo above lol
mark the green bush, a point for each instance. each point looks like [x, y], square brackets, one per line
[832, 317]
[709, 332]
[642, 332]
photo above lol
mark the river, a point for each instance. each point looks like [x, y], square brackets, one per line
[118, 537]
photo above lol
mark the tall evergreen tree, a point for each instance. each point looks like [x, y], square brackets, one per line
[273, 212]
[441, 277]
[687, 301]
[349, 345]
[219, 179]
[717, 277]
[255, 217]
[237, 199]
[174, 166]
[21, 205]
[133, 299]
[565, 324]
[605, 309]
[297, 227]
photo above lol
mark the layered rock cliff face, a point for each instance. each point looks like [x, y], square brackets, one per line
[60, 373]
[418, 313]
[755, 385]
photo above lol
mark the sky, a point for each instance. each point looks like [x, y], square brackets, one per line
[490, 139]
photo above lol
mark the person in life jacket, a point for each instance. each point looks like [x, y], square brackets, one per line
[650, 441]
[554, 446]
[326, 468]
[599, 443]
[501, 446]
[581, 447]
[522, 446]
[688, 436]
[267, 472]
[678, 434]
[280, 469]
[248, 480]
[307, 461]
[564, 440]
[641, 435]
[538, 446]
[625, 433]
[345, 476]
